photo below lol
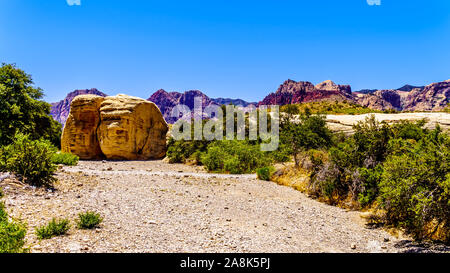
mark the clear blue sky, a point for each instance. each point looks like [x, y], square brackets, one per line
[225, 48]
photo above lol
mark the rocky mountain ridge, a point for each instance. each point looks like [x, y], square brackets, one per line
[433, 97]
[292, 92]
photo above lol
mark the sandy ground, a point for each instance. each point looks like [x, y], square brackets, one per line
[153, 206]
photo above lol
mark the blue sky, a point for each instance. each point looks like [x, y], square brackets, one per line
[226, 48]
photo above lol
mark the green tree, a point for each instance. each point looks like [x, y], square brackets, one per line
[22, 110]
[309, 132]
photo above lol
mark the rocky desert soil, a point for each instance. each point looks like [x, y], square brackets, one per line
[153, 206]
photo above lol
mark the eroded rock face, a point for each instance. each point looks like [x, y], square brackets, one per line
[434, 97]
[331, 86]
[131, 128]
[118, 128]
[382, 100]
[80, 132]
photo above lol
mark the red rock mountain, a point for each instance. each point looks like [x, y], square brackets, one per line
[433, 97]
[60, 110]
[292, 92]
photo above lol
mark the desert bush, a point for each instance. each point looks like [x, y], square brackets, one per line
[265, 173]
[89, 220]
[415, 188]
[30, 159]
[12, 234]
[179, 151]
[325, 181]
[282, 154]
[234, 156]
[402, 168]
[330, 108]
[65, 159]
[56, 227]
[369, 179]
[3, 214]
[355, 164]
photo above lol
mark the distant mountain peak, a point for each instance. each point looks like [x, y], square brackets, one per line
[167, 101]
[236, 102]
[60, 110]
[292, 92]
[408, 87]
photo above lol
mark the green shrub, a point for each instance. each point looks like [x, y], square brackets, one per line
[404, 167]
[89, 220]
[3, 214]
[415, 188]
[355, 164]
[12, 234]
[4, 155]
[179, 151]
[234, 156]
[370, 179]
[329, 108]
[282, 154]
[65, 159]
[232, 165]
[12, 237]
[265, 173]
[31, 159]
[214, 158]
[56, 227]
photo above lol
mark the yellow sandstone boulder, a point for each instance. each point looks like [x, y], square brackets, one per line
[131, 128]
[80, 132]
[125, 128]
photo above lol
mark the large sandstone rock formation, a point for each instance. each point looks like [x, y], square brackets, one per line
[117, 128]
[80, 132]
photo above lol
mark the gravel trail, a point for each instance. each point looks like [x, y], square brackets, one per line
[157, 207]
